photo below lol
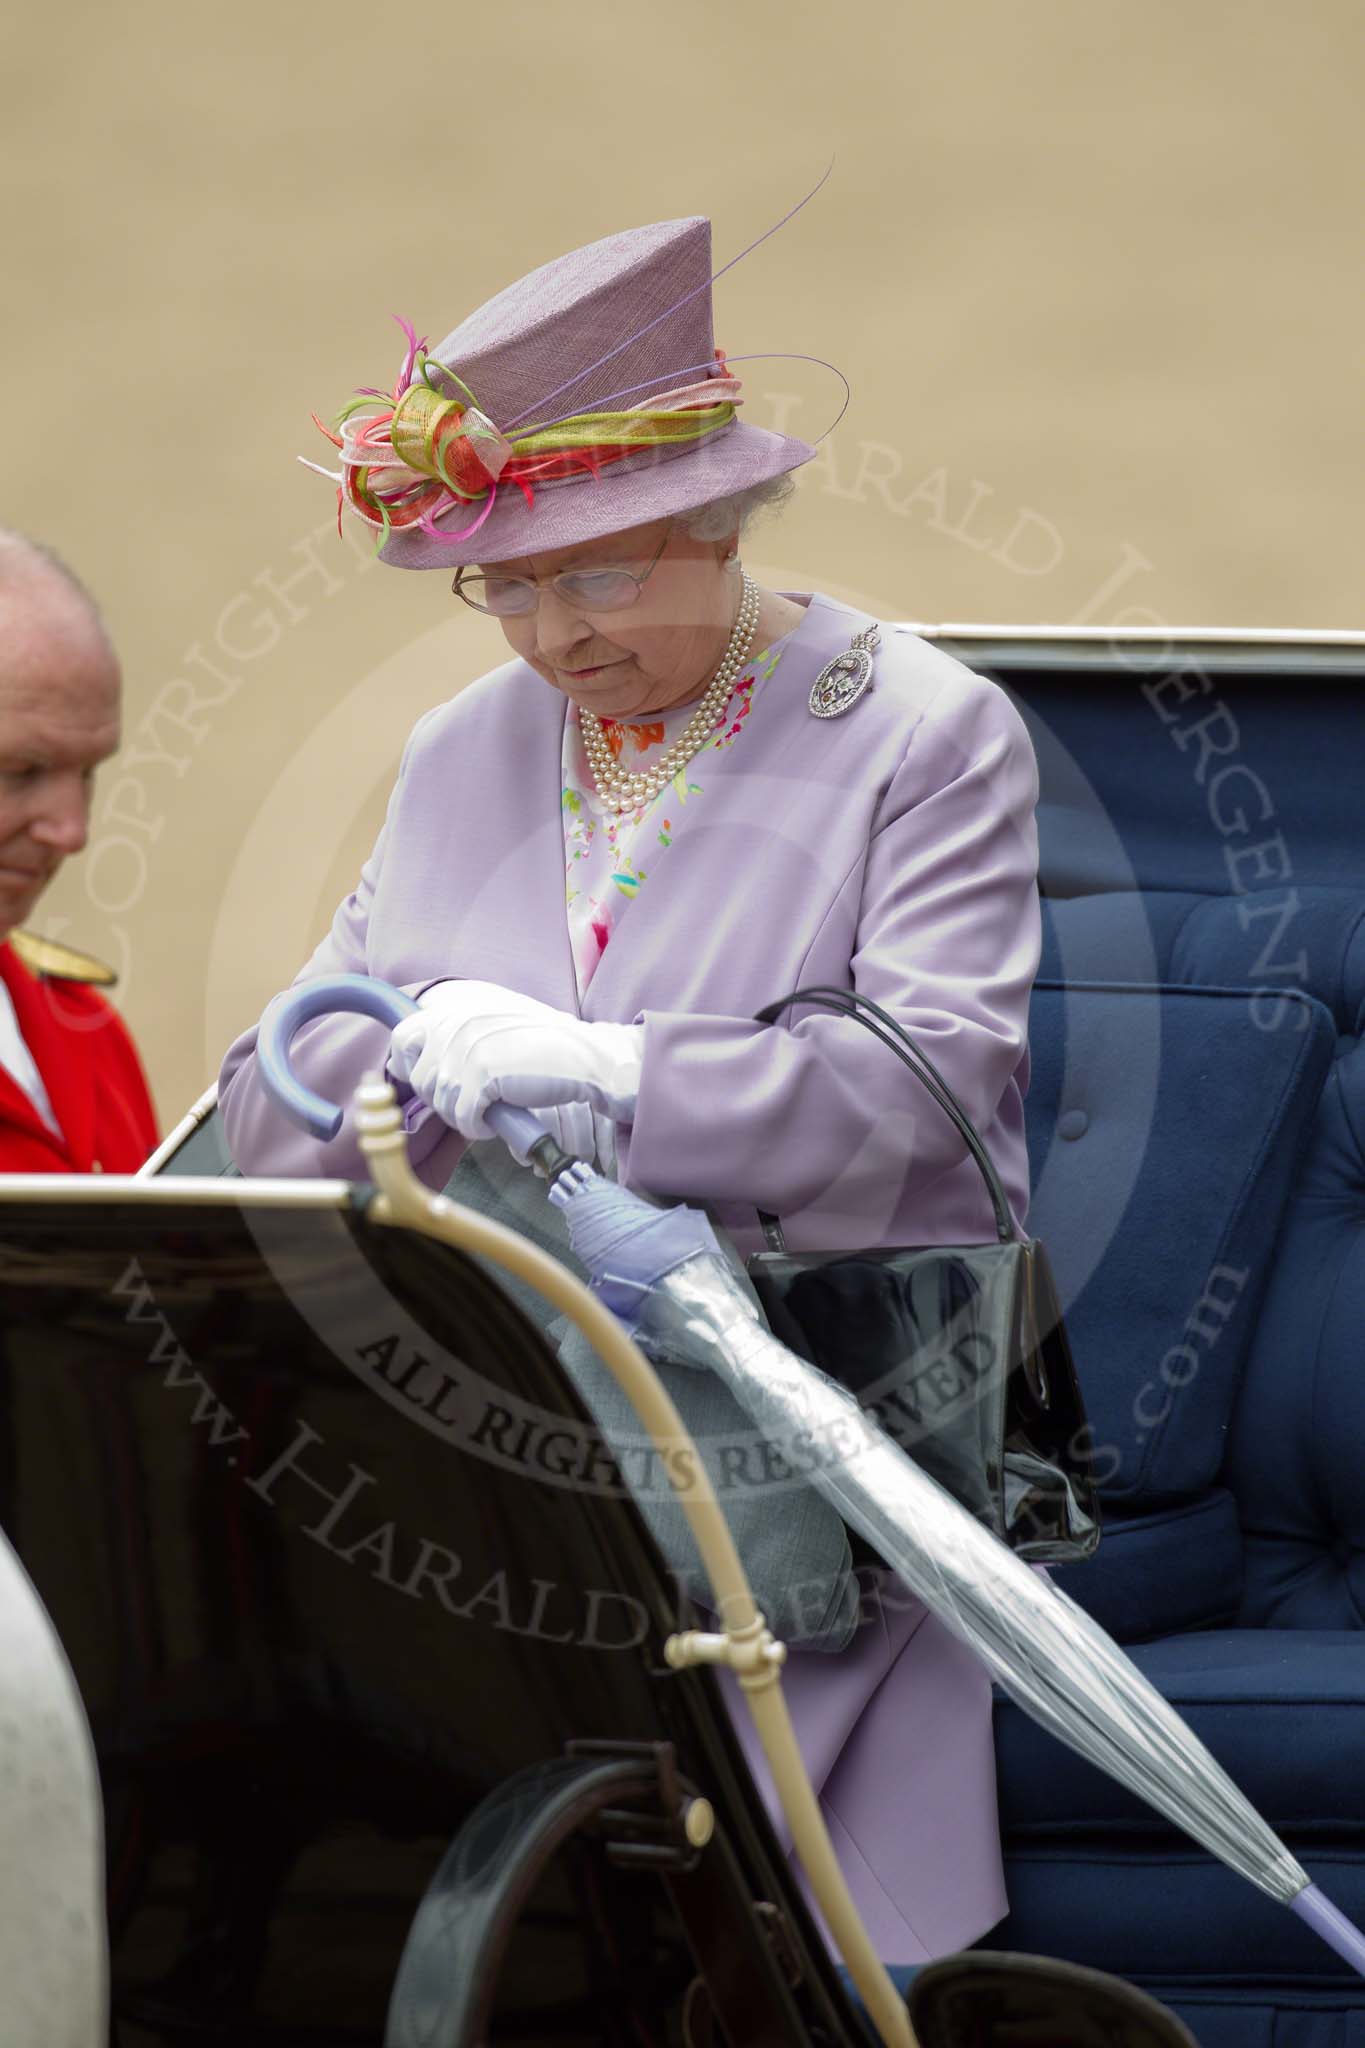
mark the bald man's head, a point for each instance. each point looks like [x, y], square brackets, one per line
[23, 558]
[59, 718]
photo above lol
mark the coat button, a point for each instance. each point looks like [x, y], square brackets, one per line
[96, 1166]
[1072, 1123]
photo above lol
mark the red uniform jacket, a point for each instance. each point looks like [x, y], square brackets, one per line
[93, 1078]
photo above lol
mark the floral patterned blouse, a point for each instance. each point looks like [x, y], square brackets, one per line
[609, 855]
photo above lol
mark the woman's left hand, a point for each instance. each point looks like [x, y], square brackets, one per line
[473, 1043]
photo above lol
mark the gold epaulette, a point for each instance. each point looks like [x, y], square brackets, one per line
[60, 963]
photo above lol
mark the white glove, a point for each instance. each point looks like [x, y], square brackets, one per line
[473, 1043]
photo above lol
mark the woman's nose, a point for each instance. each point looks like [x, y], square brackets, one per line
[558, 626]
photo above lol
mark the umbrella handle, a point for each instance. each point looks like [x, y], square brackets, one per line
[364, 996]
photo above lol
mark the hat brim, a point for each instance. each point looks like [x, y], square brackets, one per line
[621, 497]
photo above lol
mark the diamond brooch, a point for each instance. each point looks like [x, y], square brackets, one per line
[842, 681]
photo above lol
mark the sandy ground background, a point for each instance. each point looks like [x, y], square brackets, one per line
[1092, 267]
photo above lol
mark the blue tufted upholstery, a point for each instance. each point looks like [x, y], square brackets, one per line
[1197, 1140]
[1165, 1128]
[1297, 1456]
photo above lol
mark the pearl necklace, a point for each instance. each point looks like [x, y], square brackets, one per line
[628, 792]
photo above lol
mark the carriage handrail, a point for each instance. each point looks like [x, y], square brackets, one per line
[745, 1643]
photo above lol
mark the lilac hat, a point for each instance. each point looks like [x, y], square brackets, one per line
[586, 398]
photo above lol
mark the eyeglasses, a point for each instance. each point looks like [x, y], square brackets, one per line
[584, 590]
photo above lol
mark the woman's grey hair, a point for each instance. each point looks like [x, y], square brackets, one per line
[723, 516]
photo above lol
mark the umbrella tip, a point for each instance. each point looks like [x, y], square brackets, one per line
[1316, 1910]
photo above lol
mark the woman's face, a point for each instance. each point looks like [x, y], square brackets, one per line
[660, 651]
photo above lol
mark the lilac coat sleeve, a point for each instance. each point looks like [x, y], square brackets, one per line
[332, 1055]
[943, 915]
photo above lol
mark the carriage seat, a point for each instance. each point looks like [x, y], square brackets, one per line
[1198, 1161]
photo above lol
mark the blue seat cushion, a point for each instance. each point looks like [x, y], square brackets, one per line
[1095, 1875]
[1178, 1568]
[1298, 1433]
[1328, 2016]
[1165, 1126]
[1282, 1710]
[1310, 937]
[1169, 1919]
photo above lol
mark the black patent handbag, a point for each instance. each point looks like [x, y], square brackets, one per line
[959, 1351]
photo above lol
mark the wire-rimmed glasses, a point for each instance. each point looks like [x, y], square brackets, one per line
[591, 589]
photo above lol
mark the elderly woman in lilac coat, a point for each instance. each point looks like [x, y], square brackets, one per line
[672, 805]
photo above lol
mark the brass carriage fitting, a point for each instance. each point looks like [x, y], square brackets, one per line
[378, 1119]
[754, 1654]
[698, 1822]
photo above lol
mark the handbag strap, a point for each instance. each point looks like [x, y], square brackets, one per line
[848, 1002]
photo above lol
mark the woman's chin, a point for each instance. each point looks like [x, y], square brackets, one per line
[622, 713]
[607, 701]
